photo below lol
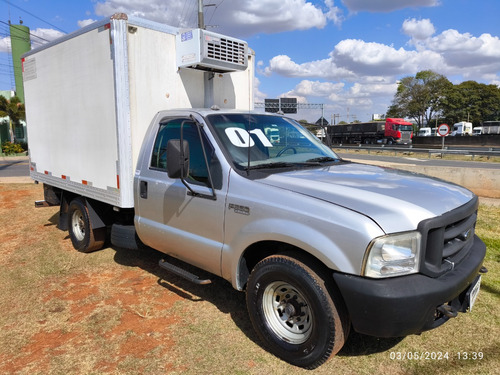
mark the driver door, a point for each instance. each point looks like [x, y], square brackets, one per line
[172, 221]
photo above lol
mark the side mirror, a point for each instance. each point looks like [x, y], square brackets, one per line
[177, 158]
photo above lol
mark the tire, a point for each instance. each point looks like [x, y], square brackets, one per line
[125, 237]
[298, 317]
[83, 237]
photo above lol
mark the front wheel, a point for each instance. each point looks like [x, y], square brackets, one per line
[298, 315]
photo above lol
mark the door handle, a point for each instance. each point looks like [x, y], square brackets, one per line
[143, 189]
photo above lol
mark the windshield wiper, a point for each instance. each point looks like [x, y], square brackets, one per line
[279, 164]
[282, 164]
[322, 159]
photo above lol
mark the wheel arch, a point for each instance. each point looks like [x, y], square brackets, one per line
[263, 249]
[98, 211]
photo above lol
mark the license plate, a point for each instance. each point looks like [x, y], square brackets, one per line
[473, 292]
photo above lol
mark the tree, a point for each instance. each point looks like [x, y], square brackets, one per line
[472, 102]
[15, 110]
[420, 97]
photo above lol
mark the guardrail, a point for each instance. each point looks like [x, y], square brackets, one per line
[489, 152]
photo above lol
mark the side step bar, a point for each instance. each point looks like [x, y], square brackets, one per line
[182, 273]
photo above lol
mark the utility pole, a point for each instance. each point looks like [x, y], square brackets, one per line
[201, 20]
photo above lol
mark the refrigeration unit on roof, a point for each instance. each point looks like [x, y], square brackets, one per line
[205, 50]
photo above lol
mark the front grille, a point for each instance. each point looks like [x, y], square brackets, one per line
[227, 50]
[405, 136]
[447, 239]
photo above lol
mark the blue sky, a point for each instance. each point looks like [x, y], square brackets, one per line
[345, 54]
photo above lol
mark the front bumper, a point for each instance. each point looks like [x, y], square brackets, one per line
[405, 305]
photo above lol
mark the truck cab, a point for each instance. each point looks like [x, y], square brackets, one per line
[462, 128]
[424, 132]
[213, 190]
[398, 131]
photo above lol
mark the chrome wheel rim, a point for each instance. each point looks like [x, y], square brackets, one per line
[78, 224]
[287, 312]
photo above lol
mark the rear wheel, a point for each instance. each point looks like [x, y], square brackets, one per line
[298, 315]
[83, 237]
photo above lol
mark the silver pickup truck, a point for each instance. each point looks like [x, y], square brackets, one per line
[319, 244]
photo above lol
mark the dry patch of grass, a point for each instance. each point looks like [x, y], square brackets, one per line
[116, 311]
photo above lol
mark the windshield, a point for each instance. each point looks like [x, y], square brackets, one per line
[404, 128]
[258, 141]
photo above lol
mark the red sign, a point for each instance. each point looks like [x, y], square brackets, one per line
[443, 130]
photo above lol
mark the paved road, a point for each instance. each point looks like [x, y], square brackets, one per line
[419, 161]
[14, 167]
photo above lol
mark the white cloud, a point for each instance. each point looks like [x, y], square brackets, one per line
[5, 45]
[387, 5]
[41, 36]
[452, 40]
[83, 23]
[283, 65]
[156, 10]
[371, 59]
[419, 30]
[316, 88]
[334, 13]
[448, 53]
[258, 95]
[239, 18]
[461, 52]
[364, 74]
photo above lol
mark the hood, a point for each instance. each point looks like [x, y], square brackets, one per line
[396, 200]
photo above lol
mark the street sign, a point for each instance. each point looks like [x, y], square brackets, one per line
[443, 130]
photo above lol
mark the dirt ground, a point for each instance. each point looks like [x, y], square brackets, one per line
[117, 312]
[112, 318]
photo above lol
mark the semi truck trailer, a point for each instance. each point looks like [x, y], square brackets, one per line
[390, 131]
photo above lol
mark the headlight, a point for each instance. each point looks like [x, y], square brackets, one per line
[393, 255]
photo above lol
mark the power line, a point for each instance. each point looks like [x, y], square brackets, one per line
[192, 13]
[215, 10]
[32, 15]
[182, 14]
[18, 37]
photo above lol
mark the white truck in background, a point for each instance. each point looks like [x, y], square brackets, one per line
[320, 245]
[424, 132]
[462, 128]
